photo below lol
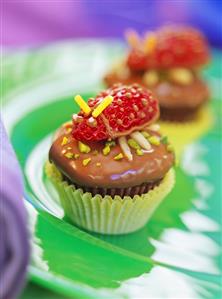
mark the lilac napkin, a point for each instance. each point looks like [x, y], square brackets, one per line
[14, 247]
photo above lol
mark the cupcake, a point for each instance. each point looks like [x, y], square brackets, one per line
[168, 62]
[110, 165]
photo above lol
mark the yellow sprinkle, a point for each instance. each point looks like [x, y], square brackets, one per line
[82, 104]
[103, 105]
[170, 148]
[139, 152]
[86, 161]
[98, 164]
[132, 143]
[106, 150]
[69, 155]
[64, 141]
[164, 140]
[83, 148]
[145, 134]
[150, 42]
[69, 148]
[76, 156]
[110, 143]
[118, 157]
[154, 140]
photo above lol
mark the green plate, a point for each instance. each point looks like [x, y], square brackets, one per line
[177, 254]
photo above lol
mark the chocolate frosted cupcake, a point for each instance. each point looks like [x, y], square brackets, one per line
[110, 165]
[169, 62]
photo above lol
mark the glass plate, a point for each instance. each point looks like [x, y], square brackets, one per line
[177, 254]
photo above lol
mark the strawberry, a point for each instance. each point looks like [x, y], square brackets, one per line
[132, 108]
[175, 47]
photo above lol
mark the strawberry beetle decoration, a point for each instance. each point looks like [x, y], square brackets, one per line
[115, 112]
[170, 47]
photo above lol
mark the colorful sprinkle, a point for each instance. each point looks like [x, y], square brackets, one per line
[83, 148]
[150, 42]
[69, 155]
[110, 143]
[76, 156]
[64, 141]
[82, 104]
[141, 140]
[98, 164]
[145, 134]
[103, 105]
[154, 140]
[170, 148]
[106, 150]
[132, 143]
[164, 140]
[86, 161]
[139, 152]
[118, 157]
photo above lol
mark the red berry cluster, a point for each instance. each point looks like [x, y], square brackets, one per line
[175, 47]
[132, 108]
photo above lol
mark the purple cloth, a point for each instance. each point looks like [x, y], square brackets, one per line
[32, 22]
[14, 244]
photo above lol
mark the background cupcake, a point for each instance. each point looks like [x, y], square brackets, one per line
[110, 165]
[169, 62]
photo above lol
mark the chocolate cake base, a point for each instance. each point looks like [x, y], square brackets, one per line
[178, 103]
[130, 191]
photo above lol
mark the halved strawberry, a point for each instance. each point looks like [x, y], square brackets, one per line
[132, 108]
[175, 47]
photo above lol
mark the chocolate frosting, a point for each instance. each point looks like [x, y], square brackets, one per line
[150, 167]
[169, 94]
